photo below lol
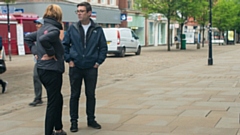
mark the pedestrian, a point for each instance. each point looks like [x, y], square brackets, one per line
[176, 39]
[50, 66]
[36, 80]
[3, 83]
[85, 50]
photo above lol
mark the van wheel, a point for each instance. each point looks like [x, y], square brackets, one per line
[122, 53]
[138, 51]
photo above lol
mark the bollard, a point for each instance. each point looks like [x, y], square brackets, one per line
[198, 46]
[177, 45]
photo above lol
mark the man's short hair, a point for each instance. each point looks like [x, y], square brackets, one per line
[87, 5]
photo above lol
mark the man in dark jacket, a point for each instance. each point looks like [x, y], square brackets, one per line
[85, 50]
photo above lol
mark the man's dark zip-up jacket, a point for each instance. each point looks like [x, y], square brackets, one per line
[85, 52]
[47, 42]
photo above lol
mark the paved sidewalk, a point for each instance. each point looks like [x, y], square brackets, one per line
[191, 98]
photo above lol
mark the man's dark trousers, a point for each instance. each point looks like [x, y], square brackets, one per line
[37, 84]
[89, 76]
[52, 81]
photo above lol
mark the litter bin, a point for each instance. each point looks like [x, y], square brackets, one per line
[183, 43]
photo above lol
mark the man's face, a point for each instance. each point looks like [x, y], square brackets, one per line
[38, 25]
[82, 13]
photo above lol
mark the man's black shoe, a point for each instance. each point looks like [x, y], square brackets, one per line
[74, 127]
[36, 102]
[94, 124]
[60, 133]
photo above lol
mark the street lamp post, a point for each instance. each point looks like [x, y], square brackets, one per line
[210, 60]
[9, 34]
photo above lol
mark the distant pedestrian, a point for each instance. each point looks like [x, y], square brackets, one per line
[50, 66]
[176, 39]
[36, 80]
[3, 83]
[85, 50]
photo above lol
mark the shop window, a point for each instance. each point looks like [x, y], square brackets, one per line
[103, 25]
[112, 25]
[151, 33]
[130, 4]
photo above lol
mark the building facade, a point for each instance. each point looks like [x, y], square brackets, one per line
[104, 12]
[157, 29]
[151, 31]
[135, 19]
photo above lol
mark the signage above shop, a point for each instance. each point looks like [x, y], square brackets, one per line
[176, 25]
[94, 15]
[134, 28]
[19, 10]
[129, 18]
[3, 10]
[4, 17]
[123, 17]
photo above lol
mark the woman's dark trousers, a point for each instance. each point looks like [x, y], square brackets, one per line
[52, 81]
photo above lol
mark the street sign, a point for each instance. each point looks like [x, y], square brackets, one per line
[19, 10]
[3, 9]
[94, 15]
[123, 17]
[129, 18]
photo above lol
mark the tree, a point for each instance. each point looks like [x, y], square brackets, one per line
[185, 9]
[165, 7]
[8, 1]
[225, 15]
[236, 24]
[202, 16]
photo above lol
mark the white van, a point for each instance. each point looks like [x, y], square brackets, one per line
[121, 41]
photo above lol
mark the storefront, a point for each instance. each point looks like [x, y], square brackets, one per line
[156, 29]
[25, 25]
[22, 23]
[191, 31]
[137, 23]
[4, 33]
[19, 24]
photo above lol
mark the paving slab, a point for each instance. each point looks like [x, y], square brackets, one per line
[156, 93]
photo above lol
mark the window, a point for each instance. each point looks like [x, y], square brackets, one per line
[94, 1]
[134, 35]
[129, 4]
[112, 2]
[151, 33]
[103, 1]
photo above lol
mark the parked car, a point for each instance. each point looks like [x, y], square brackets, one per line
[121, 41]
